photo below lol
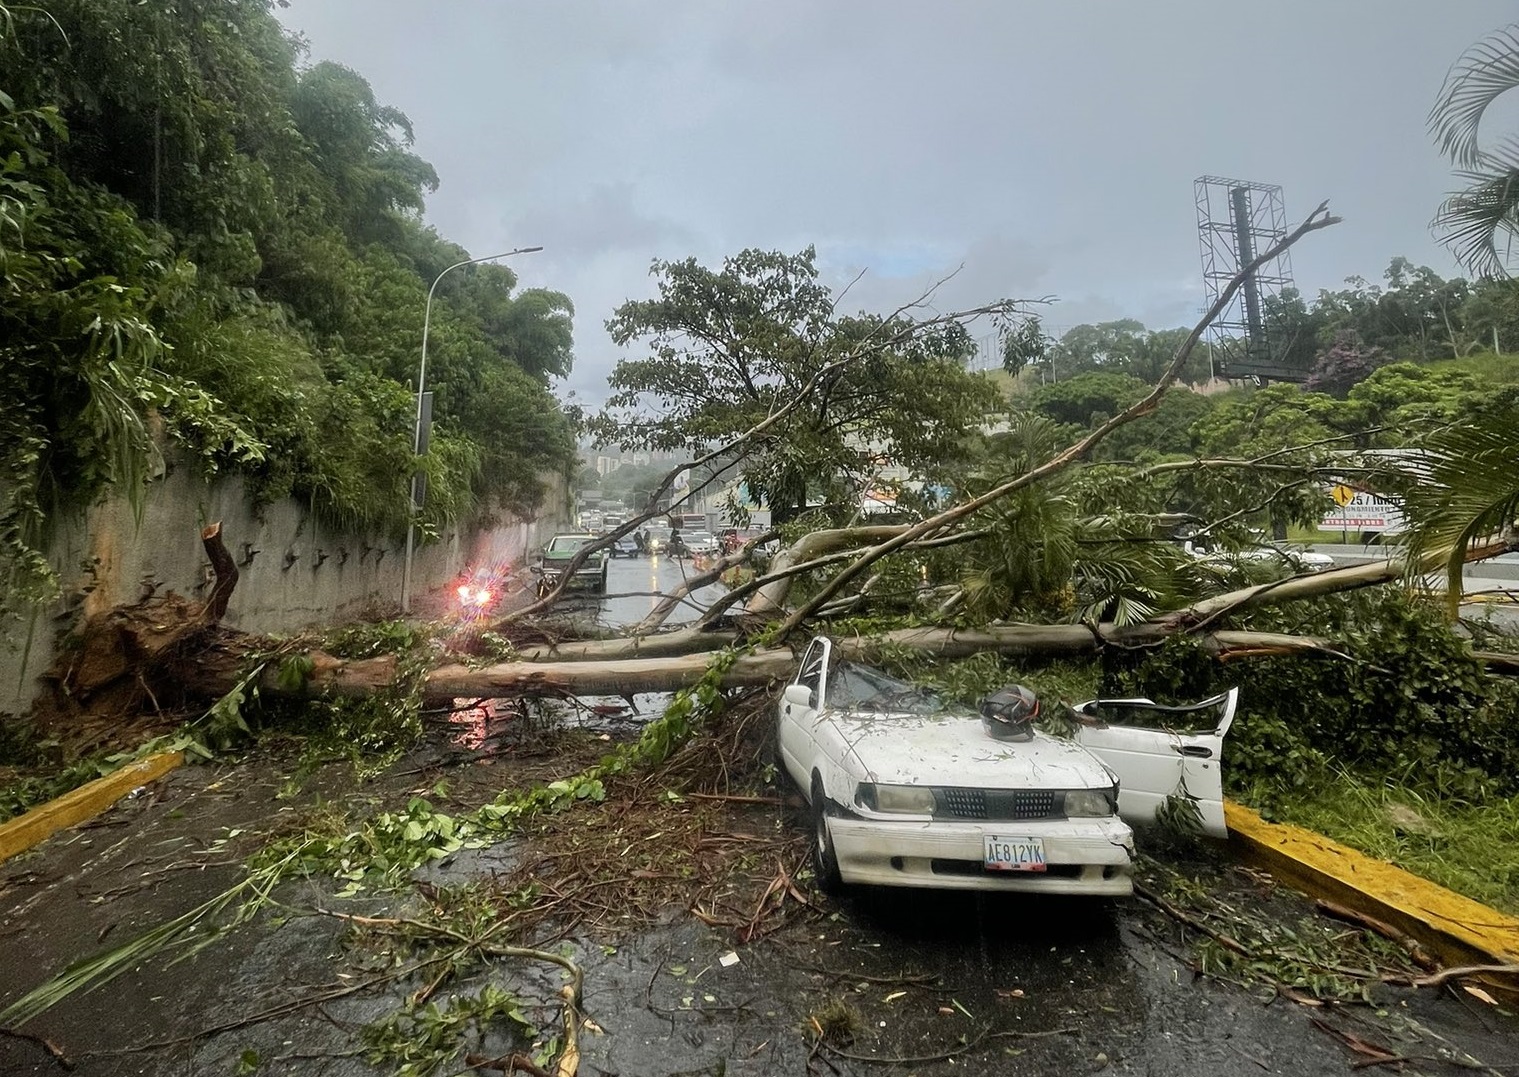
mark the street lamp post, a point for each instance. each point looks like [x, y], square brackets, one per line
[416, 435]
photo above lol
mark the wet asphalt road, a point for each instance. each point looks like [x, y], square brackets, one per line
[1068, 986]
[635, 584]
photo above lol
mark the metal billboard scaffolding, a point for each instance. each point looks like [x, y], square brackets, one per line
[1236, 221]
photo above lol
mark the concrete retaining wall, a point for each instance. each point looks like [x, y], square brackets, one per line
[294, 572]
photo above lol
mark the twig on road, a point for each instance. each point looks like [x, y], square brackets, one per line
[943, 1056]
[54, 1051]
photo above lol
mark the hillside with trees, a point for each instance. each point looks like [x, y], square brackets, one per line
[207, 242]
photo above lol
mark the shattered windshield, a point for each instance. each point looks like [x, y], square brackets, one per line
[854, 687]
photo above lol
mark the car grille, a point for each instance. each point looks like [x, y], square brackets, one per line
[941, 866]
[1000, 804]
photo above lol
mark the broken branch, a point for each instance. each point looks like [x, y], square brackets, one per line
[1319, 218]
[226, 573]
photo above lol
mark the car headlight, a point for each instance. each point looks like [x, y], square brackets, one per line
[1088, 803]
[901, 799]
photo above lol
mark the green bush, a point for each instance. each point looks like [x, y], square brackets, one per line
[1403, 695]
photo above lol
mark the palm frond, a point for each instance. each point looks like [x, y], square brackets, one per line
[1127, 582]
[1480, 223]
[1027, 560]
[244, 900]
[1470, 492]
[1481, 75]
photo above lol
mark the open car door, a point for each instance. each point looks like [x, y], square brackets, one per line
[1168, 759]
[801, 700]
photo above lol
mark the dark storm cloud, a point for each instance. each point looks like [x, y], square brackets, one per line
[1050, 148]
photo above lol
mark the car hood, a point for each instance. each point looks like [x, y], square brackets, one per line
[954, 750]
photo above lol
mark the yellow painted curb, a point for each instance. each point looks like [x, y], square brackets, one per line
[86, 802]
[1455, 929]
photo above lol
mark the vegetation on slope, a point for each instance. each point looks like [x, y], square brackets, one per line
[205, 241]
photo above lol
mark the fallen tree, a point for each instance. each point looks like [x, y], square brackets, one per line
[141, 657]
[670, 660]
[646, 660]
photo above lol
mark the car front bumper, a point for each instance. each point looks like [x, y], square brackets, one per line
[586, 577]
[1084, 856]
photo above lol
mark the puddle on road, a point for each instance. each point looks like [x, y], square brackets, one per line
[486, 725]
[483, 726]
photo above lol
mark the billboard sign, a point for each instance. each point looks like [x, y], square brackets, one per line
[1358, 510]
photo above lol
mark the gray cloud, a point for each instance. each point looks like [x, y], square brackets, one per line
[1049, 147]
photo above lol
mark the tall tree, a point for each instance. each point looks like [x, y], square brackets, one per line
[1121, 347]
[1417, 315]
[198, 237]
[727, 347]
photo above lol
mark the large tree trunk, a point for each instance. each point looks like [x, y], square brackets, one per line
[770, 600]
[657, 645]
[667, 672]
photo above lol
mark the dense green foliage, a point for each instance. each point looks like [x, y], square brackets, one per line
[1274, 449]
[1408, 698]
[203, 241]
[1400, 745]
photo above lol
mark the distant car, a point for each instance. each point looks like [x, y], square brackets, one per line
[1295, 558]
[561, 549]
[699, 543]
[627, 546]
[907, 788]
[735, 537]
[656, 539]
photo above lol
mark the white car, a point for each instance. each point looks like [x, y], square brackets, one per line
[908, 789]
[699, 543]
[1296, 558]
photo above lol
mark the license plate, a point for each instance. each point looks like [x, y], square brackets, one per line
[1014, 854]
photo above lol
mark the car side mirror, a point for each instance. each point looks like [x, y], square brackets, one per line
[798, 695]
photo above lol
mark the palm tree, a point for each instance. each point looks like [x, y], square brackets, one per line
[1480, 222]
[1467, 488]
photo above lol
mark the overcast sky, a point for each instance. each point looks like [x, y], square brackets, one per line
[1049, 147]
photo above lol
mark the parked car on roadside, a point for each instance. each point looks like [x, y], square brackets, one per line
[556, 556]
[908, 788]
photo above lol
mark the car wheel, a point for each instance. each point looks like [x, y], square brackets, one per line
[825, 864]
